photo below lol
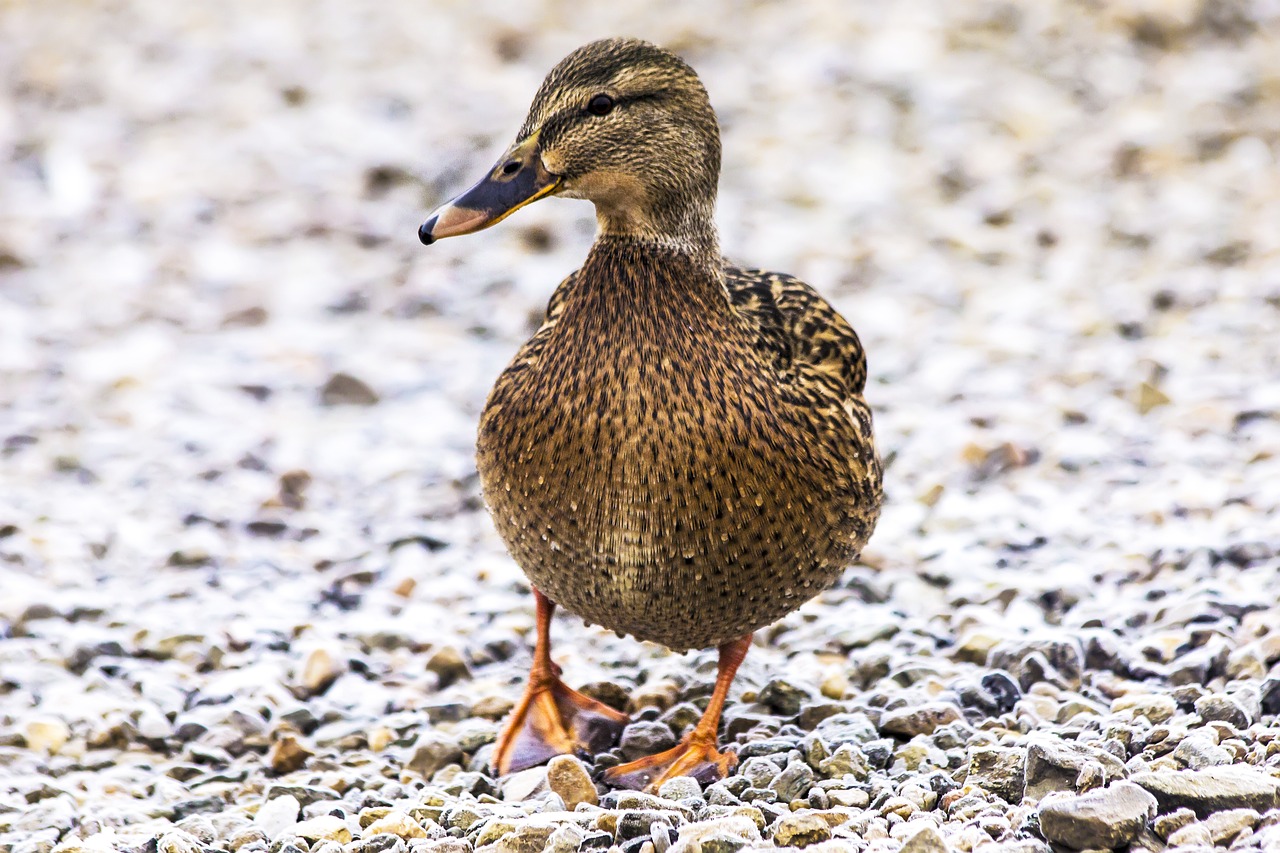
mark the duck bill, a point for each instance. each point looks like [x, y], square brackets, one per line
[516, 180]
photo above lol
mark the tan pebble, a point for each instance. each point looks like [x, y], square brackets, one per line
[380, 737]
[932, 495]
[835, 685]
[323, 828]
[1191, 835]
[396, 823]
[319, 671]
[850, 798]
[801, 830]
[47, 734]
[567, 777]
[493, 830]
[449, 666]
[492, 707]
[287, 755]
[900, 806]
[1150, 397]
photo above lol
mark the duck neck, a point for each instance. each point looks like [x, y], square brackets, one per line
[654, 280]
[685, 227]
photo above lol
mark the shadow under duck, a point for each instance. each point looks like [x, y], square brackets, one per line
[682, 451]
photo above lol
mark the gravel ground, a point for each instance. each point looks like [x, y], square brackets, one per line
[251, 600]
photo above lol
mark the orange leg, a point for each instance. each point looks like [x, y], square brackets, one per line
[696, 755]
[552, 718]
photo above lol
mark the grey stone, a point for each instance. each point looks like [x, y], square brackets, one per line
[793, 782]
[759, 772]
[1197, 753]
[645, 738]
[305, 795]
[449, 666]
[1053, 764]
[1223, 827]
[343, 389]
[783, 697]
[525, 838]
[1105, 818]
[998, 769]
[680, 788]
[383, 842]
[1200, 665]
[768, 746]
[638, 823]
[1224, 708]
[846, 760]
[1057, 660]
[525, 785]
[1212, 790]
[923, 720]
[854, 728]
[433, 751]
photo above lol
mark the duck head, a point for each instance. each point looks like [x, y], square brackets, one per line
[621, 123]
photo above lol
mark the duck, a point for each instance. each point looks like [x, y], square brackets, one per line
[682, 451]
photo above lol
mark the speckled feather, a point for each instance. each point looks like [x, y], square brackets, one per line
[682, 452]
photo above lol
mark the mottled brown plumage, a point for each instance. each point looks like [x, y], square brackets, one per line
[661, 440]
[682, 451]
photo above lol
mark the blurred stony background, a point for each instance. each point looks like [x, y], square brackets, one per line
[250, 600]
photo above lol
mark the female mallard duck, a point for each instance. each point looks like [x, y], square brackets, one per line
[681, 452]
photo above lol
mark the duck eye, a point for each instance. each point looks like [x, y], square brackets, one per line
[600, 105]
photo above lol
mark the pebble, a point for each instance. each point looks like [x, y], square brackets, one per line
[801, 830]
[1227, 709]
[783, 697]
[1105, 818]
[46, 734]
[793, 782]
[925, 720]
[1000, 770]
[449, 666]
[643, 738]
[1053, 659]
[525, 784]
[1212, 790]
[925, 840]
[1167, 824]
[1157, 708]
[397, 823]
[717, 835]
[568, 778]
[1197, 753]
[319, 671]
[432, 752]
[680, 788]
[323, 828]
[277, 814]
[287, 755]
[302, 794]
[1059, 765]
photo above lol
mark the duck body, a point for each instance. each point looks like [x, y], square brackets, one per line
[682, 451]
[678, 432]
